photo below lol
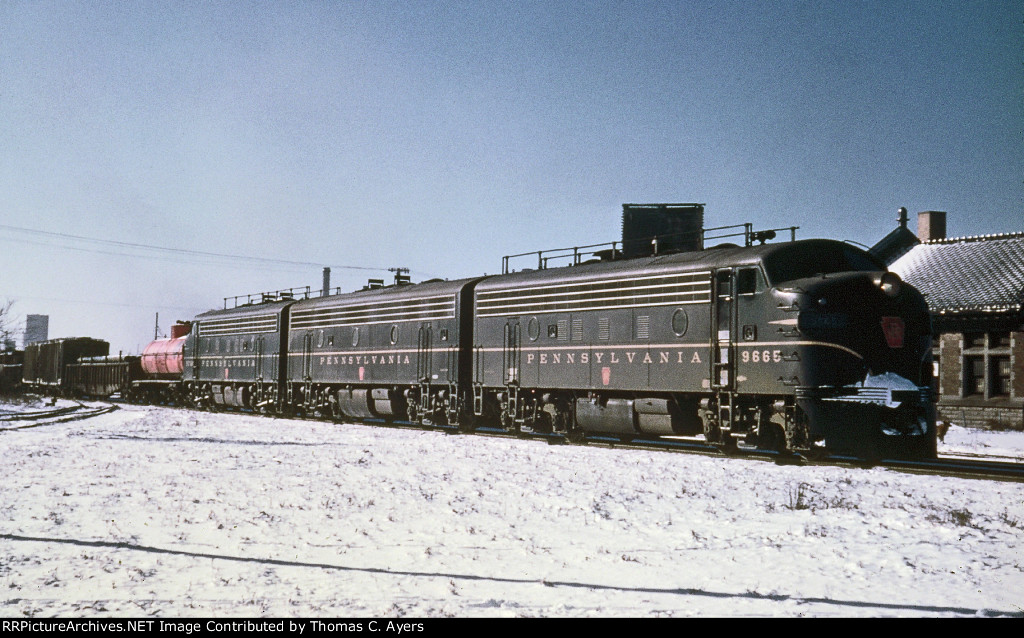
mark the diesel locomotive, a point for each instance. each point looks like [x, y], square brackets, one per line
[805, 346]
[800, 345]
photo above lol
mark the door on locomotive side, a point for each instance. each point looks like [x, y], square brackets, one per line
[758, 356]
[511, 353]
[259, 349]
[424, 353]
[307, 355]
[723, 331]
[191, 353]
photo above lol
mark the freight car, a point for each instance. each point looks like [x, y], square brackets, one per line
[10, 371]
[80, 367]
[161, 366]
[45, 365]
[101, 376]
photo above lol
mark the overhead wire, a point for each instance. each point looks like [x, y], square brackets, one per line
[96, 302]
[170, 253]
[192, 260]
[65, 241]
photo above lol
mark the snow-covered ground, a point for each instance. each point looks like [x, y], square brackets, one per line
[162, 512]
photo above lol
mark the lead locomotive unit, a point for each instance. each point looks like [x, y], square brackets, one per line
[797, 345]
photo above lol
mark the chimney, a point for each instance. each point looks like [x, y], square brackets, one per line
[661, 228]
[931, 225]
[327, 283]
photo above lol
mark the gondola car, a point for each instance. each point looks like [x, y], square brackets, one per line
[102, 376]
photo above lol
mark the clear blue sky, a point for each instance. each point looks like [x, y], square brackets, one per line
[440, 136]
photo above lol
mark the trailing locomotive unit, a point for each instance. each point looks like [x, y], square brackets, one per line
[395, 353]
[235, 357]
[794, 345]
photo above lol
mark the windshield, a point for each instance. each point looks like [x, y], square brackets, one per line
[799, 261]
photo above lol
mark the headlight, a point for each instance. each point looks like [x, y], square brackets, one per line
[890, 283]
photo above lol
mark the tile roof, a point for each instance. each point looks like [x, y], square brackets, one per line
[967, 274]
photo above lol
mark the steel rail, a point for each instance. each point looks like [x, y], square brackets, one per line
[959, 468]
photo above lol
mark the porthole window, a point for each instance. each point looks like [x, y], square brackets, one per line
[680, 322]
[533, 329]
[394, 335]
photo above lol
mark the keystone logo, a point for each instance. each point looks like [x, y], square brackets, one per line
[893, 329]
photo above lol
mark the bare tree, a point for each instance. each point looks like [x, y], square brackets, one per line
[9, 325]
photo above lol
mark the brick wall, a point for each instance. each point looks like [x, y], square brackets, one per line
[951, 376]
[1017, 363]
[984, 417]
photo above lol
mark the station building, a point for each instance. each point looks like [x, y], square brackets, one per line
[974, 287]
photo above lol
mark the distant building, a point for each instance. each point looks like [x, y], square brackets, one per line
[974, 287]
[37, 328]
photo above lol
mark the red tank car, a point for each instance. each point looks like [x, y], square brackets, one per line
[163, 358]
[162, 365]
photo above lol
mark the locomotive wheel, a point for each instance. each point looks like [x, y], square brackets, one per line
[798, 437]
[772, 435]
[543, 423]
[508, 424]
[712, 433]
[576, 436]
[204, 400]
[466, 424]
[727, 445]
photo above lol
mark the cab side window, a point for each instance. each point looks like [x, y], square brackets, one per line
[749, 281]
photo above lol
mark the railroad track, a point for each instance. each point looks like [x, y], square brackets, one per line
[962, 468]
[969, 465]
[989, 457]
[37, 418]
[978, 468]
